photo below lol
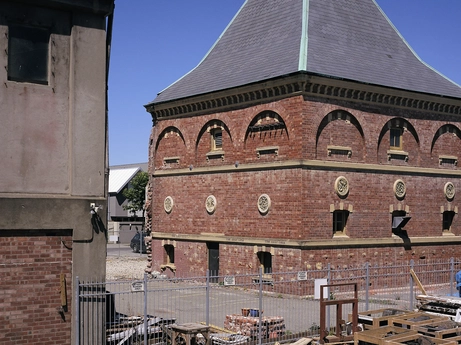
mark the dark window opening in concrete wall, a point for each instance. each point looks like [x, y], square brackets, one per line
[216, 139]
[169, 254]
[340, 221]
[396, 138]
[265, 261]
[28, 49]
[448, 217]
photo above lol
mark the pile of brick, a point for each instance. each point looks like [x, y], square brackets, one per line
[271, 326]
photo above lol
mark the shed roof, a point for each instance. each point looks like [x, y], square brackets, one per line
[346, 39]
[119, 178]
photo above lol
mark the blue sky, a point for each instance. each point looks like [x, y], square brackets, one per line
[155, 42]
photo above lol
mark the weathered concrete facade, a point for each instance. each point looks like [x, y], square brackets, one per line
[54, 161]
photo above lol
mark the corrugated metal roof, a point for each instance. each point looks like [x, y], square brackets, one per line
[119, 178]
[347, 39]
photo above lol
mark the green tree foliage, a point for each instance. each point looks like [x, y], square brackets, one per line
[136, 193]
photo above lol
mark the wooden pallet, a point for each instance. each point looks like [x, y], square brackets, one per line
[378, 336]
[412, 321]
[372, 319]
[440, 329]
[421, 340]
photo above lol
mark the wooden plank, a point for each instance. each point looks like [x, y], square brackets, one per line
[416, 279]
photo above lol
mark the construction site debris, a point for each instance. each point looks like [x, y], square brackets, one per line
[271, 327]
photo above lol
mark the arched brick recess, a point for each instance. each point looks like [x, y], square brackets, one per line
[446, 141]
[203, 144]
[410, 150]
[340, 137]
[170, 148]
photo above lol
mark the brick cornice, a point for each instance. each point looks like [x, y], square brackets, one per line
[312, 165]
[306, 85]
[343, 242]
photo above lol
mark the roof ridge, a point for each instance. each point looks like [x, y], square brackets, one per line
[302, 66]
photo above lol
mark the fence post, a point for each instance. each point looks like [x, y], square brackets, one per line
[452, 275]
[260, 305]
[367, 284]
[146, 334]
[207, 302]
[77, 311]
[412, 290]
[329, 296]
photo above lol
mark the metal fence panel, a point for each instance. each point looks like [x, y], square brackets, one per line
[284, 303]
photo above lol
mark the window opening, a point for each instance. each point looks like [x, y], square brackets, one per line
[396, 138]
[169, 254]
[265, 261]
[339, 221]
[448, 217]
[216, 139]
[399, 220]
[28, 54]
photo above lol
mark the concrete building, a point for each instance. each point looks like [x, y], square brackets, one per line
[310, 134]
[54, 163]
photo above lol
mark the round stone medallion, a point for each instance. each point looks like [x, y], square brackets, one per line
[449, 190]
[342, 186]
[168, 204]
[210, 204]
[400, 189]
[264, 203]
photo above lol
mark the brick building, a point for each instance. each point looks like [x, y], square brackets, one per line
[310, 134]
[54, 165]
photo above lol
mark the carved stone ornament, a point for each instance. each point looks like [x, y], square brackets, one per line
[168, 204]
[400, 189]
[210, 204]
[449, 190]
[264, 203]
[341, 186]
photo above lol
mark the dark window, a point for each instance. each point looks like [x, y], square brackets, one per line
[396, 138]
[216, 139]
[339, 221]
[28, 54]
[265, 260]
[448, 220]
[169, 251]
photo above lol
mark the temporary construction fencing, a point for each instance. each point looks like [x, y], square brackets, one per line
[257, 307]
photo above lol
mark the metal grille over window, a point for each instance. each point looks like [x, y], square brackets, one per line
[28, 54]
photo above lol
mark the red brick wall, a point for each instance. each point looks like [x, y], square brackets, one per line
[301, 198]
[31, 265]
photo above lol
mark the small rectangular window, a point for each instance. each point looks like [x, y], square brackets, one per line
[169, 254]
[448, 220]
[28, 54]
[396, 138]
[339, 221]
[216, 139]
[265, 260]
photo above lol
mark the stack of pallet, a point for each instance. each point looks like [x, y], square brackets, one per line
[271, 327]
[394, 327]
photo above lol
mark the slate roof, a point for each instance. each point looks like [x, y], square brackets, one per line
[345, 39]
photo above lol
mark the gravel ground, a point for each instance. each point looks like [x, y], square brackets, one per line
[120, 268]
